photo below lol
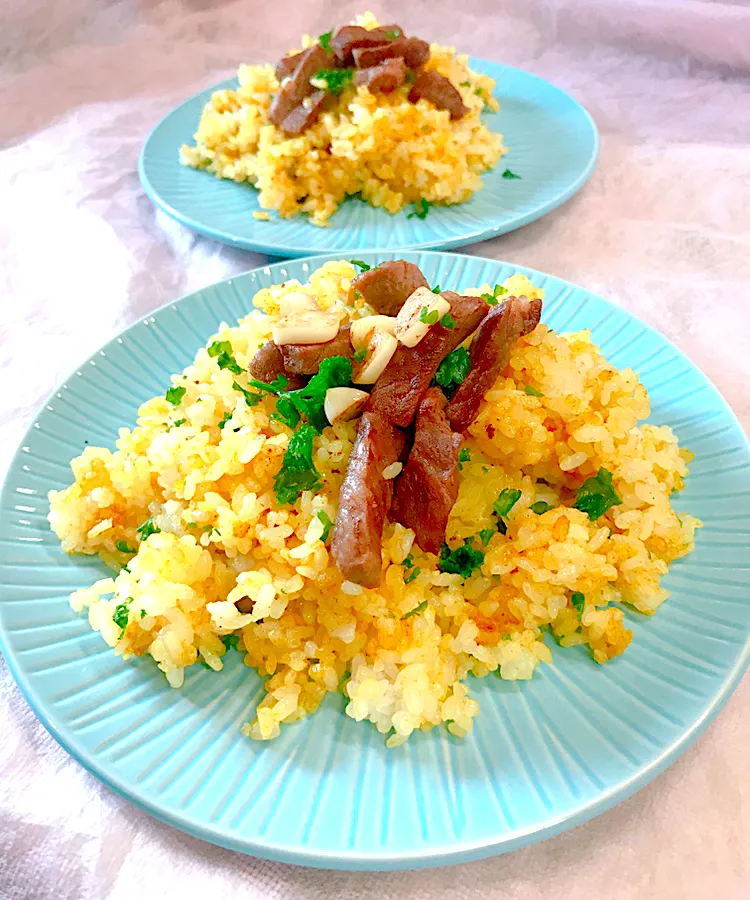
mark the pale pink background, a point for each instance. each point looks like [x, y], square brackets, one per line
[663, 228]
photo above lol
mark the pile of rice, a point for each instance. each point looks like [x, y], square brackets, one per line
[223, 536]
[381, 146]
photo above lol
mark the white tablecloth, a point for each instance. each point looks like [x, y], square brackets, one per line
[663, 228]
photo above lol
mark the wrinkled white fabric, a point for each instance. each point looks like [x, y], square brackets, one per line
[663, 228]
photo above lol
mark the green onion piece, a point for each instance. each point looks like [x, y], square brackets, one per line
[596, 495]
[175, 394]
[417, 609]
[327, 524]
[507, 174]
[541, 506]
[506, 501]
[579, 601]
[123, 547]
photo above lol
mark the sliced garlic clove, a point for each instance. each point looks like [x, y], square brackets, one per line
[361, 329]
[410, 329]
[379, 349]
[316, 327]
[392, 471]
[296, 302]
[343, 403]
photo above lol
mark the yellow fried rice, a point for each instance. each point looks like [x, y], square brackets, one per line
[381, 146]
[399, 653]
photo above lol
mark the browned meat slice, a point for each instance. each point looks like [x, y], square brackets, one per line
[384, 78]
[413, 51]
[347, 39]
[298, 87]
[407, 376]
[428, 486]
[489, 354]
[387, 287]
[305, 359]
[440, 92]
[364, 501]
[288, 65]
[304, 115]
[268, 363]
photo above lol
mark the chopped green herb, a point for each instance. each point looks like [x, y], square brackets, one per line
[497, 292]
[507, 637]
[286, 412]
[335, 81]
[411, 76]
[532, 391]
[362, 266]
[360, 354]
[448, 322]
[325, 40]
[230, 640]
[125, 569]
[465, 84]
[541, 506]
[506, 501]
[579, 602]
[485, 535]
[178, 423]
[461, 561]
[478, 92]
[596, 495]
[408, 561]
[417, 609]
[393, 34]
[501, 526]
[357, 295]
[336, 371]
[147, 529]
[298, 472]
[175, 394]
[436, 289]
[428, 316]
[277, 386]
[421, 208]
[191, 525]
[222, 352]
[251, 398]
[453, 369]
[121, 616]
[225, 418]
[123, 547]
[327, 524]
[143, 613]
[464, 455]
[508, 174]
[412, 575]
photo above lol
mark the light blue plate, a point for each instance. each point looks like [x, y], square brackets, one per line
[544, 755]
[553, 147]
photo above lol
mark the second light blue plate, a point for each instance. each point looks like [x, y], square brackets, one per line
[553, 148]
[544, 755]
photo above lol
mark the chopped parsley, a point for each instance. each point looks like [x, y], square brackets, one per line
[147, 529]
[335, 81]
[175, 394]
[436, 289]
[497, 292]
[362, 266]
[230, 640]
[325, 40]
[408, 561]
[393, 34]
[178, 423]
[507, 174]
[464, 84]
[336, 371]
[541, 506]
[415, 612]
[143, 613]
[360, 354]
[298, 472]
[464, 455]
[448, 322]
[226, 417]
[453, 369]
[461, 561]
[596, 495]
[327, 524]
[411, 576]
[502, 527]
[506, 501]
[251, 398]
[411, 76]
[478, 92]
[357, 294]
[121, 616]
[123, 547]
[222, 353]
[579, 601]
[421, 208]
[485, 535]
[286, 412]
[428, 316]
[532, 391]
[277, 386]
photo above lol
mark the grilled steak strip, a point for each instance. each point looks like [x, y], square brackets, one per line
[387, 287]
[305, 359]
[268, 363]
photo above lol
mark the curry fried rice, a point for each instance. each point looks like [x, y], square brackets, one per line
[186, 502]
[388, 150]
